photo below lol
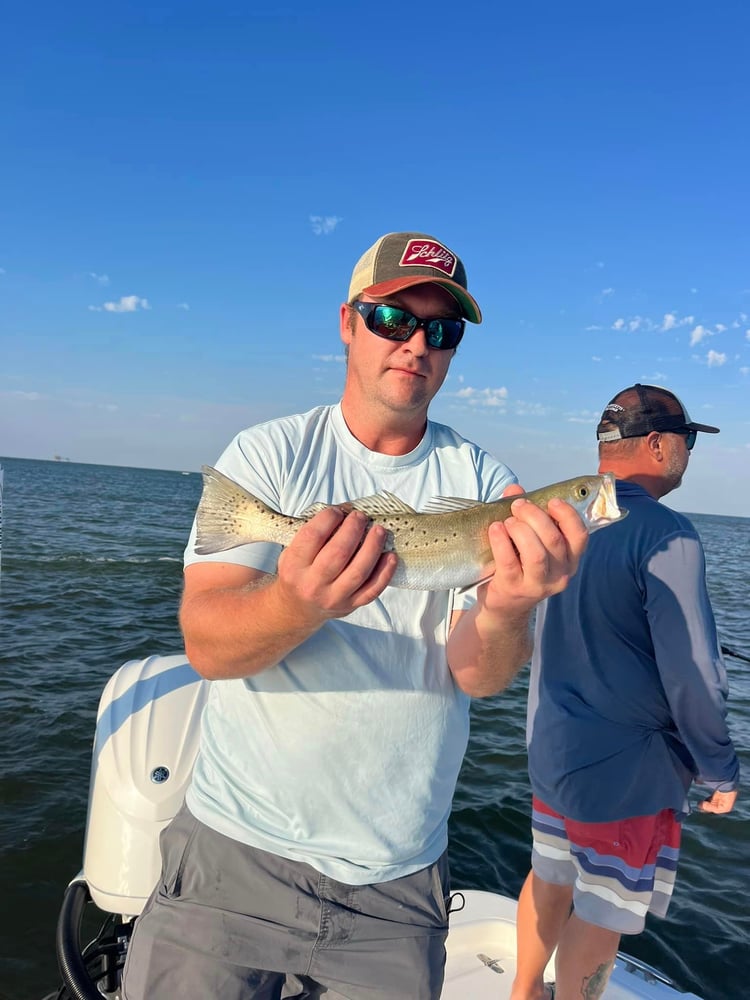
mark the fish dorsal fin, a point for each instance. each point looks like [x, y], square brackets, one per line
[378, 505]
[444, 505]
[381, 505]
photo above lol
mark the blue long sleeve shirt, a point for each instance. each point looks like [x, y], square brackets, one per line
[628, 690]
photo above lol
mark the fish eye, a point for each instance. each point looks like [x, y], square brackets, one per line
[583, 492]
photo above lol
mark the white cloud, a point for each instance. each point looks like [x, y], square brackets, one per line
[744, 371]
[720, 328]
[2, 270]
[184, 306]
[607, 291]
[127, 304]
[102, 279]
[633, 324]
[322, 225]
[330, 358]
[584, 417]
[525, 409]
[715, 360]
[670, 321]
[483, 397]
[698, 334]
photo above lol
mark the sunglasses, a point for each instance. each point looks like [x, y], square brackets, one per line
[393, 323]
[690, 437]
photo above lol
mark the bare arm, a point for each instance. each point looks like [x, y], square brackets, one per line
[535, 556]
[237, 621]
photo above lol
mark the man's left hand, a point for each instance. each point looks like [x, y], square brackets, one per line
[719, 802]
[535, 552]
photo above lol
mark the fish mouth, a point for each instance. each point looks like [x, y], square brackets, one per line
[603, 509]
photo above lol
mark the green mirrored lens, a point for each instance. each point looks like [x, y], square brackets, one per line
[443, 333]
[396, 324]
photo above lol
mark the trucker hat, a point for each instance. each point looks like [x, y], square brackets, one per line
[402, 260]
[640, 409]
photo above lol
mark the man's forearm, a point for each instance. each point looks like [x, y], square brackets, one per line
[485, 651]
[240, 632]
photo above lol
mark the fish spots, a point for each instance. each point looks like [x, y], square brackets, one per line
[446, 544]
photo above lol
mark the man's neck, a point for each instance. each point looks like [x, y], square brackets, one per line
[653, 485]
[385, 432]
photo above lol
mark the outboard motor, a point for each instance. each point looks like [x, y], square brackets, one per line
[147, 734]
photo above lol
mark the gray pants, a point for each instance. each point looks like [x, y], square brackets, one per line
[231, 922]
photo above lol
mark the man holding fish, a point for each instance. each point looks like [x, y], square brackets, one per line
[310, 857]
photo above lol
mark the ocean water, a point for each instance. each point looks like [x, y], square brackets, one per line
[91, 576]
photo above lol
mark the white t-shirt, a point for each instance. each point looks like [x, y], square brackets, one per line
[345, 755]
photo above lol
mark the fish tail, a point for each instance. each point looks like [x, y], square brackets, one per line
[227, 514]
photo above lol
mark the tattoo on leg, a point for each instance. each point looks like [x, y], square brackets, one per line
[594, 985]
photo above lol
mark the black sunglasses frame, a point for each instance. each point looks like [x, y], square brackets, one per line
[435, 330]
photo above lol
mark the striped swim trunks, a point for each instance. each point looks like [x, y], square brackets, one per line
[619, 871]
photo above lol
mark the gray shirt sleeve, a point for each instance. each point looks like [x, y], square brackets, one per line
[688, 657]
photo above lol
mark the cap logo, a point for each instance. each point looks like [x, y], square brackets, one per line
[431, 253]
[615, 407]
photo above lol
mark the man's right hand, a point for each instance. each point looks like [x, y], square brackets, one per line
[334, 565]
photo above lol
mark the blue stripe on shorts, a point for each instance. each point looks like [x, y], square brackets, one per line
[609, 890]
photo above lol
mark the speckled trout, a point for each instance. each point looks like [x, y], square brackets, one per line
[443, 547]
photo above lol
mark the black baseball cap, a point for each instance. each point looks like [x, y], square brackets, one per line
[640, 409]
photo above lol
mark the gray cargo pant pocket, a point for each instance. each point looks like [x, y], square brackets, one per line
[175, 841]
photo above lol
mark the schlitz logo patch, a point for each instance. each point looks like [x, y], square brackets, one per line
[429, 253]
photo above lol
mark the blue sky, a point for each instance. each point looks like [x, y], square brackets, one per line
[184, 189]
